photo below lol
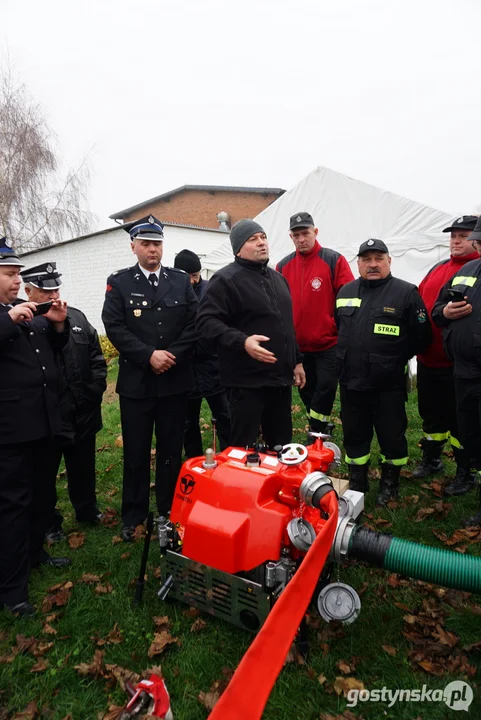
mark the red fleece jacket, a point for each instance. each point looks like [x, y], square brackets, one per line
[314, 282]
[429, 290]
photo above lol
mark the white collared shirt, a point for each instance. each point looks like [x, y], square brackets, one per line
[148, 272]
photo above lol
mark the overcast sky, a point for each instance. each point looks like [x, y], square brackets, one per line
[257, 92]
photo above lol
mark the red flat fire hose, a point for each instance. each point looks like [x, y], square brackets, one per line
[248, 691]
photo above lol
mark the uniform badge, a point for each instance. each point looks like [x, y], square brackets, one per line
[298, 218]
[137, 312]
[108, 288]
[316, 283]
[422, 316]
[370, 242]
[49, 268]
[144, 302]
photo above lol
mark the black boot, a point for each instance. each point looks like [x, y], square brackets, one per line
[431, 462]
[474, 520]
[463, 482]
[389, 484]
[358, 479]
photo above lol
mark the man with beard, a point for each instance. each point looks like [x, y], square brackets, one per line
[247, 310]
[206, 372]
[382, 323]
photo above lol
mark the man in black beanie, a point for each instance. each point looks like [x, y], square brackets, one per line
[247, 310]
[206, 372]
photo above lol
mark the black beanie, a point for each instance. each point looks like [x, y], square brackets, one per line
[242, 231]
[187, 261]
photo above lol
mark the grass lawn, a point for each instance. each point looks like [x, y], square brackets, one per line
[408, 634]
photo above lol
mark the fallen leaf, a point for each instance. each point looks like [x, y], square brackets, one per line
[119, 441]
[154, 670]
[321, 679]
[162, 621]
[125, 555]
[343, 667]
[40, 666]
[49, 630]
[103, 589]
[342, 685]
[198, 625]
[123, 676]
[116, 540]
[30, 712]
[192, 612]
[160, 642]
[113, 713]
[93, 668]
[389, 649]
[90, 579]
[76, 540]
[209, 699]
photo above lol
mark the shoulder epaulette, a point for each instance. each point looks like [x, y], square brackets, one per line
[121, 272]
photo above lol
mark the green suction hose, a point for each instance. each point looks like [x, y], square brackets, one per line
[434, 565]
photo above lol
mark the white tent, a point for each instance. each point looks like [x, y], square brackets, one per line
[347, 212]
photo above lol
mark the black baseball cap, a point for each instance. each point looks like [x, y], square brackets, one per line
[476, 235]
[465, 222]
[301, 219]
[373, 244]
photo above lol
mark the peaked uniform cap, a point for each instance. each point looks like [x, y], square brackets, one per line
[8, 256]
[44, 276]
[147, 228]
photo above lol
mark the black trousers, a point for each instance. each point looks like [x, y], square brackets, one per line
[364, 412]
[268, 408]
[219, 406]
[437, 404]
[139, 419]
[468, 405]
[319, 392]
[24, 478]
[80, 466]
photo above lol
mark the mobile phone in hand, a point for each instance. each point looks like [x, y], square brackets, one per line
[43, 308]
[455, 295]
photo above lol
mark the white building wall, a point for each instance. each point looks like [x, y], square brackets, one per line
[85, 263]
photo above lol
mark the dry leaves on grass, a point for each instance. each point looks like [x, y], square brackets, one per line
[294, 656]
[95, 668]
[30, 712]
[114, 637]
[198, 625]
[160, 642]
[109, 518]
[348, 667]
[435, 649]
[390, 650]
[90, 579]
[58, 596]
[209, 699]
[342, 685]
[76, 540]
[103, 589]
[119, 441]
[191, 612]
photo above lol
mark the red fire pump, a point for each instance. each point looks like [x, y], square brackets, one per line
[240, 524]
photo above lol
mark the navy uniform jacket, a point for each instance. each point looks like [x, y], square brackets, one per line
[83, 373]
[382, 324]
[139, 319]
[29, 402]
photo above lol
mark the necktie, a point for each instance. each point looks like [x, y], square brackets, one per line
[153, 280]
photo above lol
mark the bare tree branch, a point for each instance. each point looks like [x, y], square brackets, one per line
[37, 206]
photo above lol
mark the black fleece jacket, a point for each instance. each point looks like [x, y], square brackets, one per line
[249, 298]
